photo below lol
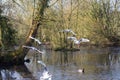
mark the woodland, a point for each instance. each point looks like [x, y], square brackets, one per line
[97, 20]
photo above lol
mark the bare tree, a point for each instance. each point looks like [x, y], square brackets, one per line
[107, 15]
[18, 56]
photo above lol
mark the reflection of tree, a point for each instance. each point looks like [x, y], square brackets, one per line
[93, 61]
[64, 58]
[114, 56]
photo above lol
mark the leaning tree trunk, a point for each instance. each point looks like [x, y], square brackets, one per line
[17, 57]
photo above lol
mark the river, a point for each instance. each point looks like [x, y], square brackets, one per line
[98, 64]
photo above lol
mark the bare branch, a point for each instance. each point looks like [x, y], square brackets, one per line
[18, 5]
[53, 3]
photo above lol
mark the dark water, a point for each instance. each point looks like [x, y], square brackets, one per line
[98, 64]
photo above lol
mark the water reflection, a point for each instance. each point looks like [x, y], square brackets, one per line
[15, 73]
[98, 63]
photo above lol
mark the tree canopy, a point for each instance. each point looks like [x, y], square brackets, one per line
[97, 20]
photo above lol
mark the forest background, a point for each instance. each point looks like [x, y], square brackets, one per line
[97, 20]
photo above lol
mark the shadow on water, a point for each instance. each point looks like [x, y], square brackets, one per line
[98, 64]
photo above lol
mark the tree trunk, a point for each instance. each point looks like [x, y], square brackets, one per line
[17, 57]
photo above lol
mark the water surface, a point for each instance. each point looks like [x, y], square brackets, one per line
[98, 64]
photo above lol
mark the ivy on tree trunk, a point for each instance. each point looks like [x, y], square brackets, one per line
[18, 56]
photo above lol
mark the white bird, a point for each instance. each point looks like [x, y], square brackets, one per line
[81, 70]
[33, 48]
[43, 64]
[74, 39]
[35, 40]
[13, 75]
[45, 75]
[3, 74]
[68, 30]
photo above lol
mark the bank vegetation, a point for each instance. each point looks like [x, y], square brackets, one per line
[97, 20]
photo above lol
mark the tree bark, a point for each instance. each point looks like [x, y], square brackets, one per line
[17, 57]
